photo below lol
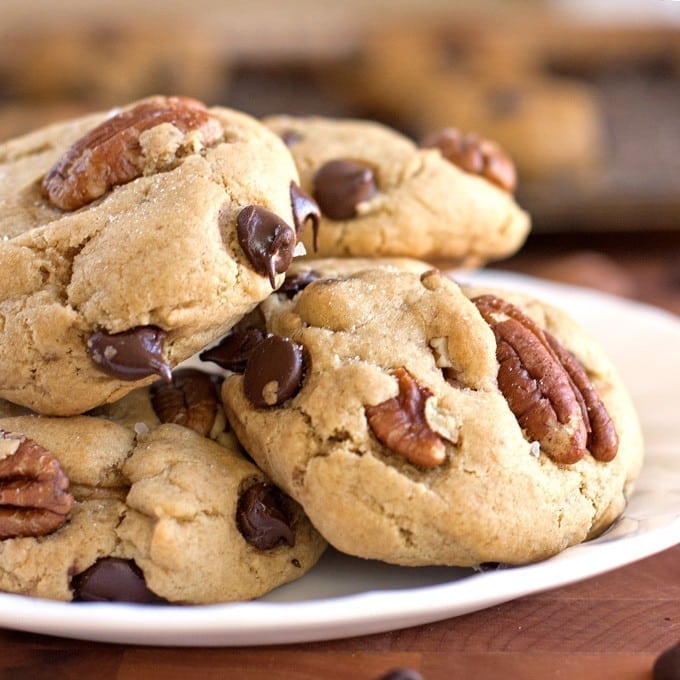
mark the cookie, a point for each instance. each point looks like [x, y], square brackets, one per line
[165, 516]
[205, 525]
[496, 83]
[522, 115]
[380, 195]
[385, 403]
[63, 519]
[103, 64]
[131, 240]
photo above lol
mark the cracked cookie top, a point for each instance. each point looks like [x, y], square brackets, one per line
[382, 195]
[133, 238]
[400, 433]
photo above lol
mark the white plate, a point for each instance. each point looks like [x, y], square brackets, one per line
[344, 597]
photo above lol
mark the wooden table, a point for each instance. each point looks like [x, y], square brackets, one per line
[612, 626]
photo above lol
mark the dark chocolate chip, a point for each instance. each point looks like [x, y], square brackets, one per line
[305, 208]
[667, 665]
[340, 185]
[130, 355]
[261, 517]
[234, 350]
[266, 239]
[297, 282]
[274, 372]
[401, 674]
[111, 579]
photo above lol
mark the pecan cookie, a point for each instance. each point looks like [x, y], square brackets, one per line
[132, 239]
[92, 512]
[381, 195]
[63, 496]
[435, 426]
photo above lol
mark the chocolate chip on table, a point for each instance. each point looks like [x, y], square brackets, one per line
[401, 674]
[233, 351]
[305, 208]
[340, 185]
[667, 664]
[266, 239]
[112, 579]
[130, 355]
[274, 372]
[261, 517]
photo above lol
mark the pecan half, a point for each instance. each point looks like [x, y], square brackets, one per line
[400, 423]
[475, 155]
[603, 441]
[34, 497]
[189, 400]
[111, 153]
[546, 388]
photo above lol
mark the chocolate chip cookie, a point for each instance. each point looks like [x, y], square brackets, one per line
[205, 525]
[92, 512]
[382, 195]
[132, 239]
[438, 425]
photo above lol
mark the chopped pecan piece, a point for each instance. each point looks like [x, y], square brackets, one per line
[474, 155]
[189, 400]
[400, 423]
[34, 497]
[546, 388]
[111, 153]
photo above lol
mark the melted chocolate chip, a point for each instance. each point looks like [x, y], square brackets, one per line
[111, 579]
[261, 517]
[274, 372]
[266, 239]
[234, 350]
[340, 185]
[130, 355]
[297, 282]
[667, 665]
[305, 208]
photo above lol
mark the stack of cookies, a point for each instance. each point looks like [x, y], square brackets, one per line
[224, 345]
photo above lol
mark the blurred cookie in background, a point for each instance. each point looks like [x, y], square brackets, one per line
[477, 78]
[19, 118]
[107, 64]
